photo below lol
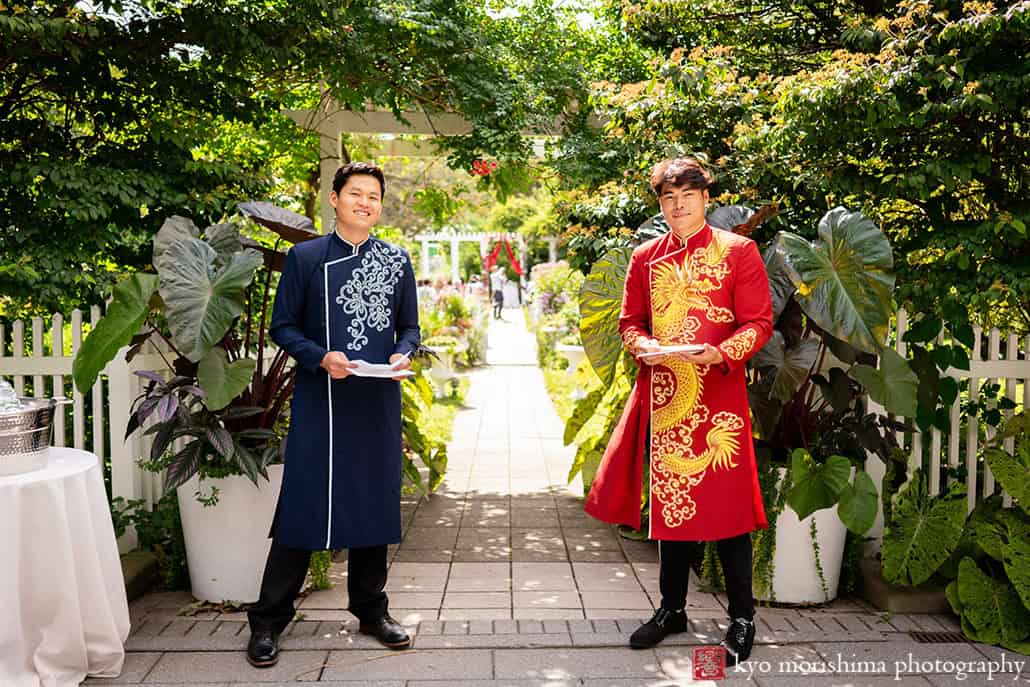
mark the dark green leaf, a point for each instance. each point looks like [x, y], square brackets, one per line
[859, 503]
[948, 390]
[600, 300]
[221, 380]
[992, 606]
[963, 333]
[201, 301]
[584, 410]
[781, 286]
[922, 532]
[941, 357]
[893, 384]
[816, 485]
[845, 279]
[923, 331]
[125, 315]
[788, 367]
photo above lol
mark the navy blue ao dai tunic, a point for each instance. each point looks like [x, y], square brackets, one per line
[342, 478]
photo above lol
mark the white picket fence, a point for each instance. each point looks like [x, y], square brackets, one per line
[49, 367]
[959, 446]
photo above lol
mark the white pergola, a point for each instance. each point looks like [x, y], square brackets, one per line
[456, 238]
[330, 121]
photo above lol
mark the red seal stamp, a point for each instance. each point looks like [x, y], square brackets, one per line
[709, 662]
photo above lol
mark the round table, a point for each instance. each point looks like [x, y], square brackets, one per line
[62, 594]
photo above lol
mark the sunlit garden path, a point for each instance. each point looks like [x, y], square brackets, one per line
[504, 582]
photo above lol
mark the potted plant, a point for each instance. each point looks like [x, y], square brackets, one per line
[808, 388]
[444, 348]
[217, 422]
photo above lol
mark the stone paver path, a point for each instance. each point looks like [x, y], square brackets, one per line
[504, 581]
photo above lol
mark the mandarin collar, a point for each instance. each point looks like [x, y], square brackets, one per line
[354, 248]
[698, 239]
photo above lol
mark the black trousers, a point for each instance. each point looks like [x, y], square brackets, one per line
[675, 560]
[284, 577]
[498, 304]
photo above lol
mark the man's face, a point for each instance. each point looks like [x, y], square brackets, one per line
[359, 202]
[684, 208]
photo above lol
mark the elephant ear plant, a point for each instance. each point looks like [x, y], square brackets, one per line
[209, 304]
[223, 410]
[808, 386]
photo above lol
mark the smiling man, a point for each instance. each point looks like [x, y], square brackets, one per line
[342, 297]
[688, 413]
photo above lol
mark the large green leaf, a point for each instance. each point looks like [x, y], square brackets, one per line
[844, 280]
[893, 384]
[816, 485]
[991, 605]
[922, 532]
[201, 301]
[788, 367]
[858, 503]
[174, 229]
[125, 315]
[582, 413]
[983, 529]
[225, 239]
[600, 300]
[221, 380]
[1012, 472]
[781, 286]
[1015, 552]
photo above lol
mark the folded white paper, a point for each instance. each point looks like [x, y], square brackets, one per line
[381, 370]
[680, 348]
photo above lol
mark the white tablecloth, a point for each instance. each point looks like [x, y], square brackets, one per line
[63, 611]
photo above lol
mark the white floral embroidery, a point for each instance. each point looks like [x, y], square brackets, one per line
[366, 296]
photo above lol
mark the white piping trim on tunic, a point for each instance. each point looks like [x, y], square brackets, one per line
[329, 390]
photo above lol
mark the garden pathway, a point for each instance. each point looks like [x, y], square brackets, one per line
[505, 582]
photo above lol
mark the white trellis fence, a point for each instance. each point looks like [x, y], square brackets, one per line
[95, 421]
[45, 362]
[1004, 361]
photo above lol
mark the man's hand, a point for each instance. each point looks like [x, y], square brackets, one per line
[651, 346]
[399, 361]
[337, 365]
[709, 356]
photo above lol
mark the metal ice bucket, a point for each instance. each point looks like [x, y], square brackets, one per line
[25, 434]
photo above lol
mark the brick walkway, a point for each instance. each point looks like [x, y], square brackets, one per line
[504, 581]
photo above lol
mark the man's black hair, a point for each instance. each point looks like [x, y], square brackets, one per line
[352, 168]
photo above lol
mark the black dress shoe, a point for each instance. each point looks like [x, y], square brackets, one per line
[740, 637]
[263, 649]
[388, 631]
[662, 624]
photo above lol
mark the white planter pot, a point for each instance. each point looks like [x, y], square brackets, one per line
[795, 577]
[227, 544]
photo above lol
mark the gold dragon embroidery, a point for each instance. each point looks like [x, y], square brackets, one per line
[680, 291]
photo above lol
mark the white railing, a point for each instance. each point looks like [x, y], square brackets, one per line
[959, 447]
[49, 366]
[985, 367]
